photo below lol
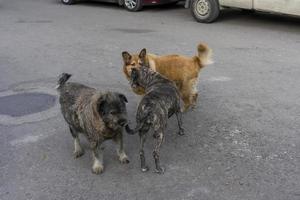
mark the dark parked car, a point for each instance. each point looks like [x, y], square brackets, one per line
[131, 5]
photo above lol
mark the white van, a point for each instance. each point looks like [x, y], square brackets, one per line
[207, 11]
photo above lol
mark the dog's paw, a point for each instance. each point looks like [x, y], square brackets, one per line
[123, 158]
[193, 107]
[145, 169]
[97, 168]
[78, 153]
[160, 170]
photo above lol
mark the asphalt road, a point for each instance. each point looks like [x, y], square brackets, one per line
[242, 141]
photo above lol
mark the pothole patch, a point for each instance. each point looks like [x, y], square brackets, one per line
[18, 105]
[25, 104]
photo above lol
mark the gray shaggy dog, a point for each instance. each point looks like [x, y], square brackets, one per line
[160, 102]
[97, 115]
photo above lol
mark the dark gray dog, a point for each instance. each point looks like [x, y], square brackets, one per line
[99, 116]
[160, 102]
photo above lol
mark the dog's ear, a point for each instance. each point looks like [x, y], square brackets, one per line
[143, 54]
[126, 57]
[123, 98]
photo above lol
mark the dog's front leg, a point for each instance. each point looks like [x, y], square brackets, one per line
[120, 149]
[142, 154]
[159, 169]
[179, 121]
[97, 152]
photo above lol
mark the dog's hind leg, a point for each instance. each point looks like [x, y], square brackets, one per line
[190, 93]
[97, 153]
[158, 168]
[142, 135]
[186, 102]
[120, 149]
[186, 95]
[194, 100]
[179, 121]
[194, 92]
[78, 150]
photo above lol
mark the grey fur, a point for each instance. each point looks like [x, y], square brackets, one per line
[97, 115]
[160, 102]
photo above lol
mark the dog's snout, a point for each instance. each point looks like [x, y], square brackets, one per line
[122, 122]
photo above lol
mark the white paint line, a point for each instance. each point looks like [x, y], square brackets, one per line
[32, 138]
[219, 78]
[25, 140]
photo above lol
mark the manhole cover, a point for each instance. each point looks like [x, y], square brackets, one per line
[26, 103]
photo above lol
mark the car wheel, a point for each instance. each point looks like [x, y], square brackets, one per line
[133, 5]
[205, 11]
[68, 2]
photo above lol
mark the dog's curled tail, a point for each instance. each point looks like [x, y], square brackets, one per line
[204, 54]
[144, 125]
[140, 126]
[63, 78]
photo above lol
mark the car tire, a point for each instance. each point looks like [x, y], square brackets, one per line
[205, 11]
[68, 2]
[133, 5]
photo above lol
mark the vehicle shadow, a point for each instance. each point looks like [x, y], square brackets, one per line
[110, 5]
[260, 20]
[164, 7]
[239, 17]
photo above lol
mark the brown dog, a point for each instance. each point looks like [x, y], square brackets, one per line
[182, 70]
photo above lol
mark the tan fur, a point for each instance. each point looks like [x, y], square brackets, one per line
[183, 70]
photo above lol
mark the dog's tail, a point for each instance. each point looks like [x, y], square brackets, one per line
[141, 126]
[144, 124]
[204, 54]
[63, 78]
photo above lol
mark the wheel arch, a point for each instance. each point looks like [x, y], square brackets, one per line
[188, 3]
[121, 2]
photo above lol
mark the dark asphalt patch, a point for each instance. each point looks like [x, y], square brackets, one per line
[26, 103]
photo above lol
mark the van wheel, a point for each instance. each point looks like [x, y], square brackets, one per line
[205, 11]
[133, 5]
